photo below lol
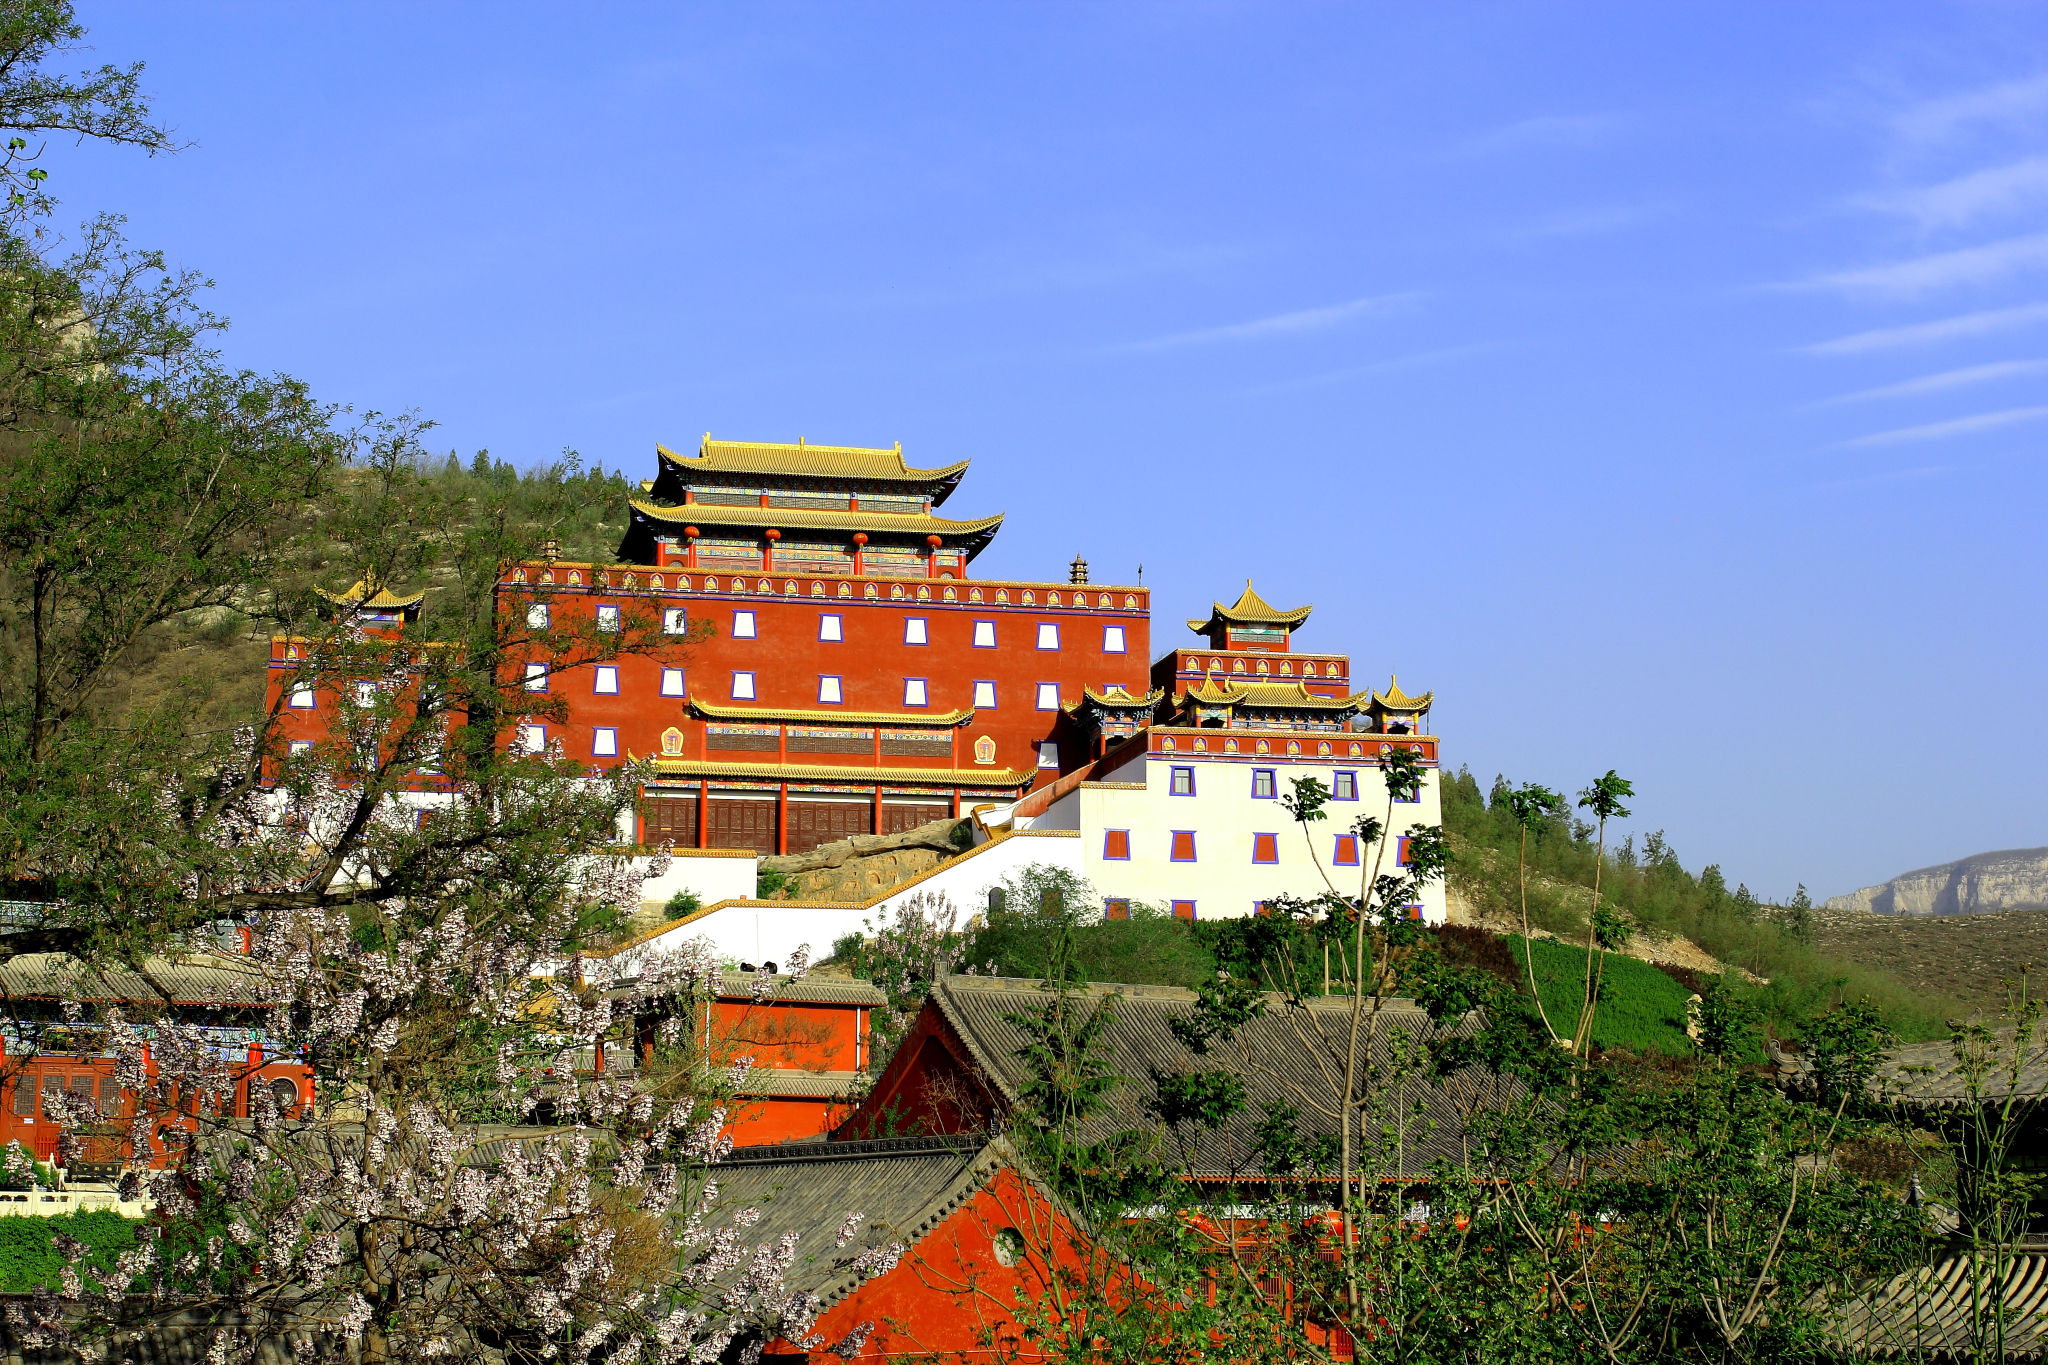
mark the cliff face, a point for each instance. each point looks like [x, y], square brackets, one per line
[2013, 879]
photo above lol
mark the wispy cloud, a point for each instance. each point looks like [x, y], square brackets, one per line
[1548, 130]
[1940, 383]
[1280, 324]
[1942, 270]
[1932, 333]
[1938, 119]
[1399, 362]
[1941, 431]
[1963, 200]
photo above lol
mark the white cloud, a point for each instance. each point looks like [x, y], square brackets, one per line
[1941, 431]
[1548, 130]
[1940, 383]
[1935, 120]
[1931, 333]
[1970, 265]
[1280, 324]
[1966, 198]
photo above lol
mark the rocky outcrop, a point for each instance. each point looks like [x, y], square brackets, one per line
[944, 837]
[2011, 879]
[867, 865]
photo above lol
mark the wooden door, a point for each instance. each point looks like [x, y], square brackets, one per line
[812, 823]
[739, 823]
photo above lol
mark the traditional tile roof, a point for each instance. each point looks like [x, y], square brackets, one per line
[1115, 698]
[1927, 1075]
[1394, 699]
[1925, 1313]
[769, 714]
[370, 595]
[1249, 610]
[915, 777]
[201, 979]
[1269, 1056]
[902, 523]
[904, 1187]
[1272, 695]
[805, 990]
[867, 464]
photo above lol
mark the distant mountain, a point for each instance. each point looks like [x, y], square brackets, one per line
[2013, 879]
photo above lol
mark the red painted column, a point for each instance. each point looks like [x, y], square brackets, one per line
[860, 538]
[704, 813]
[782, 819]
[768, 550]
[690, 554]
[931, 559]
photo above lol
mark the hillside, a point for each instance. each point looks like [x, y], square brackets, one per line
[2009, 879]
[1965, 957]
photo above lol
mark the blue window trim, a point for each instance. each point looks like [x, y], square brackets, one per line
[1038, 636]
[1348, 772]
[1109, 857]
[1337, 858]
[1273, 861]
[300, 746]
[976, 634]
[753, 624]
[839, 678]
[1174, 776]
[838, 639]
[597, 730]
[926, 683]
[1173, 908]
[544, 677]
[1173, 841]
[1272, 780]
[979, 683]
[311, 703]
[1123, 648]
[1039, 693]
[924, 621]
[1107, 901]
[1401, 851]
[597, 611]
[753, 692]
[597, 676]
[1415, 795]
[682, 682]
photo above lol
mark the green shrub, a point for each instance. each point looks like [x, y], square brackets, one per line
[1640, 1008]
[29, 1259]
[683, 904]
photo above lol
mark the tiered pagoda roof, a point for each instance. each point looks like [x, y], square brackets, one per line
[1250, 610]
[1263, 703]
[830, 496]
[366, 597]
[1394, 707]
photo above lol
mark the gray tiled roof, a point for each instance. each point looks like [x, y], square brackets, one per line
[805, 990]
[1927, 1073]
[1269, 1055]
[903, 1187]
[203, 978]
[1925, 1313]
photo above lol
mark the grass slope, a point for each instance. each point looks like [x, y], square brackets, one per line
[1640, 1008]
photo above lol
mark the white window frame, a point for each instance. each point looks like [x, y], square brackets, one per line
[302, 746]
[672, 684]
[302, 698]
[831, 627]
[604, 742]
[536, 677]
[675, 621]
[831, 690]
[984, 635]
[985, 694]
[1048, 753]
[745, 626]
[1113, 640]
[366, 694]
[607, 616]
[536, 616]
[605, 681]
[1048, 696]
[742, 686]
[533, 738]
[916, 631]
[1049, 630]
[917, 692]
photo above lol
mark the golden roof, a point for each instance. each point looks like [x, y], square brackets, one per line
[802, 458]
[1394, 699]
[1250, 610]
[1115, 697]
[917, 777]
[799, 518]
[1289, 695]
[765, 714]
[368, 593]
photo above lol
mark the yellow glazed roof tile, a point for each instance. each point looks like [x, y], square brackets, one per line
[766, 714]
[1394, 699]
[802, 458]
[916, 777]
[1251, 610]
[802, 518]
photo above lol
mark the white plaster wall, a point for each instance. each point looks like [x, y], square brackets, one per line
[713, 874]
[1224, 882]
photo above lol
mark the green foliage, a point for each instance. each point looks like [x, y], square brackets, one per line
[1640, 1008]
[29, 1258]
[1041, 906]
[770, 884]
[1657, 892]
[683, 903]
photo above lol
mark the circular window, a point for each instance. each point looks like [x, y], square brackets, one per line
[1009, 1245]
[284, 1093]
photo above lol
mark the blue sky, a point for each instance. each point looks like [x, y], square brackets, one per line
[1666, 386]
